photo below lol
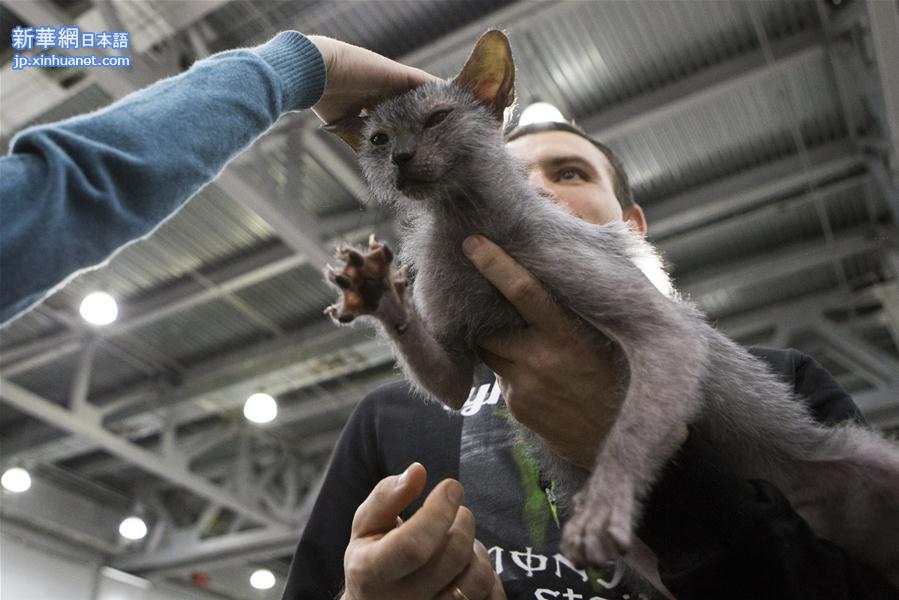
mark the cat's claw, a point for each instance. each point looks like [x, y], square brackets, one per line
[374, 246]
[368, 286]
[351, 255]
[600, 528]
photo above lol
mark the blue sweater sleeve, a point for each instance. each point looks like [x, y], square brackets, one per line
[72, 193]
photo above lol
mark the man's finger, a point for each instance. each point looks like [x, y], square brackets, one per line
[497, 592]
[410, 546]
[451, 559]
[514, 282]
[379, 512]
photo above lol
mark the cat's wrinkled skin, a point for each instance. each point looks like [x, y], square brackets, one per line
[436, 154]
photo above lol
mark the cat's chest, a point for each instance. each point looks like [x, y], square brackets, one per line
[455, 300]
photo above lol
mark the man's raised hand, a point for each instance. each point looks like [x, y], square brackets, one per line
[424, 558]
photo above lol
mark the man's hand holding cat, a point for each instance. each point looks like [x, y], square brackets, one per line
[358, 78]
[427, 557]
[554, 378]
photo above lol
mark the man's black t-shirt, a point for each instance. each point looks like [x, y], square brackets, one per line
[715, 536]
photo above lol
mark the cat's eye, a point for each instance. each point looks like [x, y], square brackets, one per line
[436, 118]
[378, 139]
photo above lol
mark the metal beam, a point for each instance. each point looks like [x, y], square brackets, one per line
[83, 521]
[775, 265]
[224, 550]
[746, 190]
[774, 209]
[46, 410]
[183, 14]
[514, 16]
[219, 464]
[246, 272]
[845, 342]
[283, 365]
[206, 394]
[81, 381]
[746, 69]
[214, 551]
[747, 324]
[883, 23]
[888, 293]
[332, 163]
[888, 187]
[880, 405]
[295, 226]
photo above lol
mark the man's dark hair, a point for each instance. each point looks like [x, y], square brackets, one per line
[620, 183]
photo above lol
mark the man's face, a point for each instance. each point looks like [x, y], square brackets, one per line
[572, 171]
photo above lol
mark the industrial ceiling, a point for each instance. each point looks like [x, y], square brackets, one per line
[761, 138]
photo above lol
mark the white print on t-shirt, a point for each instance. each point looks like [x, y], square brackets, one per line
[478, 397]
[529, 562]
[512, 564]
[570, 594]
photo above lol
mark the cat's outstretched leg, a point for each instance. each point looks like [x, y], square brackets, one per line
[370, 287]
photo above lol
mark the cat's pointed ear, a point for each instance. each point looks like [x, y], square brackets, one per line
[490, 72]
[349, 129]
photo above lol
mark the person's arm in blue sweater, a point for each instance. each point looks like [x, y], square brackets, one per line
[72, 193]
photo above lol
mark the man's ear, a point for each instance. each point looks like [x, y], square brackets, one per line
[349, 129]
[634, 215]
[490, 72]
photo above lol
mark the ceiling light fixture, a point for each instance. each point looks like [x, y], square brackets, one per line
[262, 579]
[540, 112]
[260, 408]
[133, 528]
[16, 479]
[99, 308]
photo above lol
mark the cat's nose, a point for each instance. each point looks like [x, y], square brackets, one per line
[401, 156]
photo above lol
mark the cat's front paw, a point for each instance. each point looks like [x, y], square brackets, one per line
[368, 286]
[600, 528]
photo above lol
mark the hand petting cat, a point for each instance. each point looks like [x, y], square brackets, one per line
[358, 78]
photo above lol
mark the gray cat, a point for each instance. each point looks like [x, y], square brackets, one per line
[436, 155]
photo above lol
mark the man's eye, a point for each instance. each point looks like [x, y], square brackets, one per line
[378, 139]
[436, 118]
[570, 175]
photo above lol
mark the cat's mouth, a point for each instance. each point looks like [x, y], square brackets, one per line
[406, 183]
